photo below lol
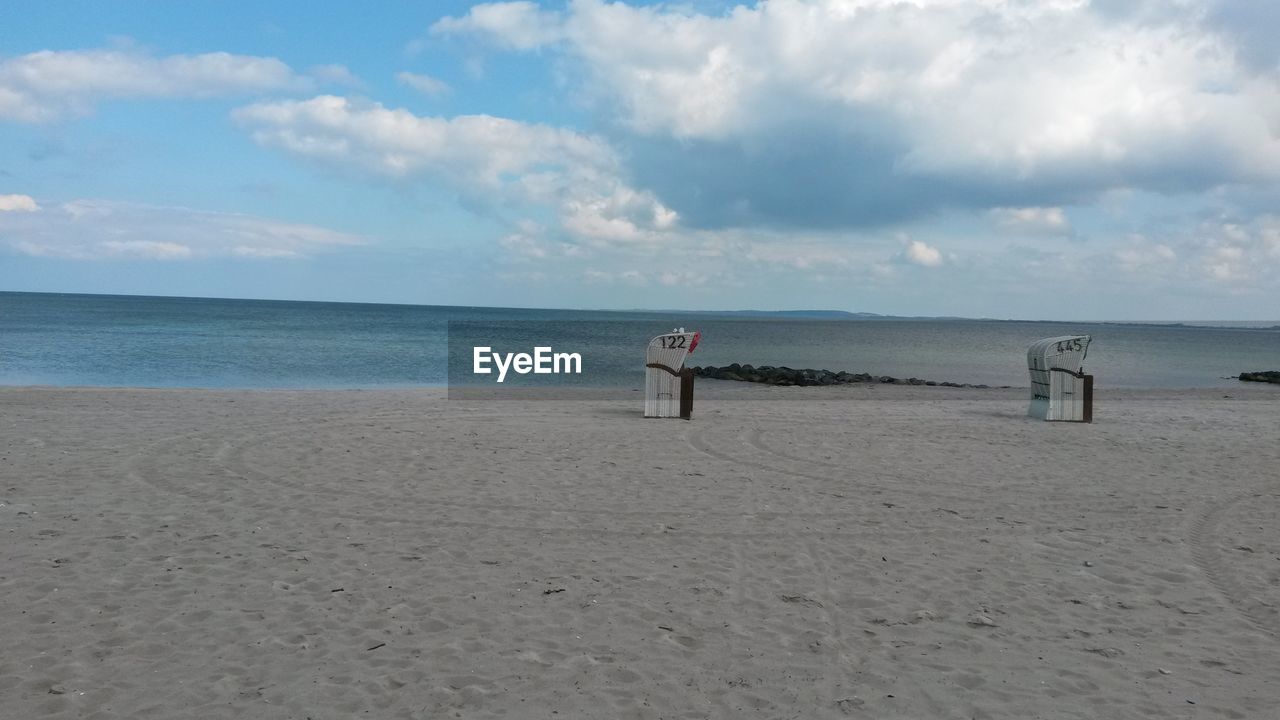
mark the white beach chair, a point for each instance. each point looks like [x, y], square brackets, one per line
[1059, 388]
[668, 384]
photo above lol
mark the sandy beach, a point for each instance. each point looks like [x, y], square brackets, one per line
[871, 552]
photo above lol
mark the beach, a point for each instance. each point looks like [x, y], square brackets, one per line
[861, 551]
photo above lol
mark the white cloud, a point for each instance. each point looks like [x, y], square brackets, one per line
[513, 25]
[1061, 94]
[491, 159]
[264, 252]
[1226, 262]
[18, 203]
[625, 215]
[1049, 220]
[476, 149]
[712, 260]
[921, 253]
[633, 278]
[1180, 267]
[532, 243]
[101, 229]
[46, 85]
[1177, 256]
[148, 249]
[1244, 255]
[424, 84]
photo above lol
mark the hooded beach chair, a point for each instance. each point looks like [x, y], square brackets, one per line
[1059, 388]
[668, 384]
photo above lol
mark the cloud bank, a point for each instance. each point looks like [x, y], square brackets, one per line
[48, 85]
[846, 113]
[489, 160]
[100, 230]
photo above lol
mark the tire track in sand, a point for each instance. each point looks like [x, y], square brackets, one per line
[1204, 534]
[212, 469]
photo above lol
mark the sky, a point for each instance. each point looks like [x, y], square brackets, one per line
[1030, 159]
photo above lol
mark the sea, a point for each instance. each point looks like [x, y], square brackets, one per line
[115, 340]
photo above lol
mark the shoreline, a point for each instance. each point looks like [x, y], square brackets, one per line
[706, 388]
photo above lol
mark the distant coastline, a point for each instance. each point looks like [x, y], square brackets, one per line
[815, 314]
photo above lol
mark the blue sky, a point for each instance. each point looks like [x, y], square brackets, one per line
[1057, 159]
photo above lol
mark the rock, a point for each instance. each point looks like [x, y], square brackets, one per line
[1266, 376]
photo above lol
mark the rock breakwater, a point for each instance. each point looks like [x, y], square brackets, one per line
[1266, 376]
[785, 376]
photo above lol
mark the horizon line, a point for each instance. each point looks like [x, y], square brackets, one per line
[852, 314]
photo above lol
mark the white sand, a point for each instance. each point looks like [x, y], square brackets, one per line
[875, 552]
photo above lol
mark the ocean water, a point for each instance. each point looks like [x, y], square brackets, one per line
[106, 340]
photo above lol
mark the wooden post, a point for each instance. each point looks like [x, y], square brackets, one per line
[686, 393]
[1088, 398]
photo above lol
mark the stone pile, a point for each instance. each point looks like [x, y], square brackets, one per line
[1266, 376]
[770, 375]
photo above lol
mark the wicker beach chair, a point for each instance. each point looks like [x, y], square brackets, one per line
[1059, 388]
[668, 384]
